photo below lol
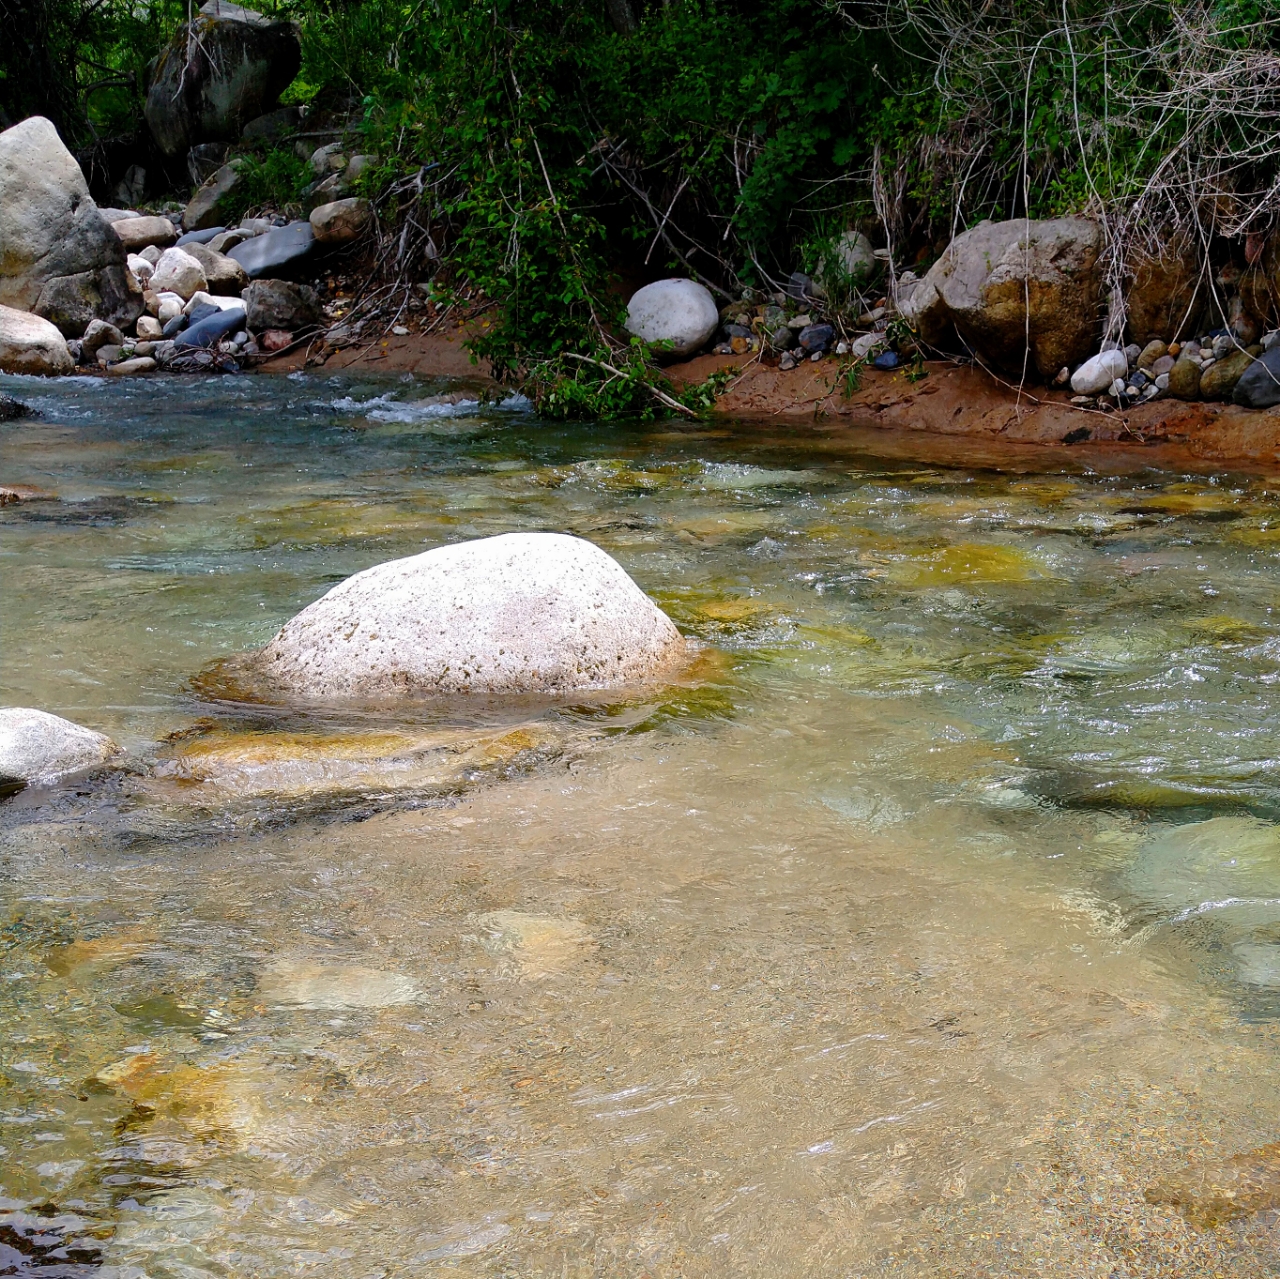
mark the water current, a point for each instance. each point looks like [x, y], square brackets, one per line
[922, 928]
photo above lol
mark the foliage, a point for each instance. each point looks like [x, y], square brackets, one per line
[82, 63]
[277, 179]
[560, 152]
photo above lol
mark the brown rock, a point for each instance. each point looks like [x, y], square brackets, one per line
[138, 233]
[1184, 380]
[1219, 381]
[1216, 1193]
[1002, 283]
[1162, 297]
[275, 340]
[1153, 351]
[341, 221]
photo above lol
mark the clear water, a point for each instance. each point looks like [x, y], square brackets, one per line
[929, 921]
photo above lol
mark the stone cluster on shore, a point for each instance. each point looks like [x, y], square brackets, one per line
[128, 291]
[85, 287]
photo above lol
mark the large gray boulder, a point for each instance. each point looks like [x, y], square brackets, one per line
[73, 302]
[1019, 291]
[50, 227]
[37, 747]
[279, 253]
[30, 344]
[226, 67]
[1259, 384]
[277, 304]
[680, 312]
[520, 613]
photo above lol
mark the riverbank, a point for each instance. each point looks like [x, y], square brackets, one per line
[951, 401]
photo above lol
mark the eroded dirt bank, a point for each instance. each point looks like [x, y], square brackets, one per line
[951, 401]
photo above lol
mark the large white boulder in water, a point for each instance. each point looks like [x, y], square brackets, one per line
[681, 312]
[38, 747]
[520, 613]
[29, 344]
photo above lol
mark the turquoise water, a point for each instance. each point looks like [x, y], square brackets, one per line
[934, 914]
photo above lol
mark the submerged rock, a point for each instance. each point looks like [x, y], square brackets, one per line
[304, 766]
[334, 988]
[37, 747]
[681, 312]
[1212, 1194]
[11, 409]
[520, 613]
[534, 946]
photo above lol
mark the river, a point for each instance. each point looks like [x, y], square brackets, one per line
[927, 925]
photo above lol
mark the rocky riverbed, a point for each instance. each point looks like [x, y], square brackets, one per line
[922, 915]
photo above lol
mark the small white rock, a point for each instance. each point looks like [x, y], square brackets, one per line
[1116, 388]
[400, 331]
[1099, 372]
[1163, 381]
[37, 747]
[178, 272]
[169, 308]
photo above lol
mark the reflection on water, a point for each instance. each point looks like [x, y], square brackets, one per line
[931, 926]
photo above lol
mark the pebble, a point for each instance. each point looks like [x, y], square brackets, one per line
[400, 331]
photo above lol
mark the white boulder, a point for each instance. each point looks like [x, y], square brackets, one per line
[178, 272]
[168, 307]
[519, 613]
[681, 312]
[1096, 374]
[142, 269]
[38, 747]
[29, 344]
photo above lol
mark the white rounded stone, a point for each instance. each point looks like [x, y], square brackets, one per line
[178, 272]
[38, 747]
[29, 344]
[1097, 373]
[681, 312]
[519, 613]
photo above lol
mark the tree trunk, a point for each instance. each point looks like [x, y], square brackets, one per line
[622, 16]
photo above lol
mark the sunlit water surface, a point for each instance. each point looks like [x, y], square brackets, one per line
[928, 922]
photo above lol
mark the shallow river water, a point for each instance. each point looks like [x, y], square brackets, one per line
[930, 925]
